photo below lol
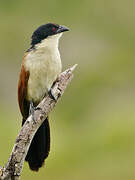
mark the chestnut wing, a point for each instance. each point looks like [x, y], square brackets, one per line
[22, 91]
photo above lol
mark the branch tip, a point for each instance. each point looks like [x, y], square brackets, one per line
[73, 67]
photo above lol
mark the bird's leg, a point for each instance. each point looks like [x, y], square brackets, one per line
[31, 110]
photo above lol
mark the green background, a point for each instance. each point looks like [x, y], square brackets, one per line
[93, 125]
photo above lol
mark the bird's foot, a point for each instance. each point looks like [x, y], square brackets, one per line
[32, 109]
[51, 94]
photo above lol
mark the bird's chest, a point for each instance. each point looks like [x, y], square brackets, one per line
[44, 68]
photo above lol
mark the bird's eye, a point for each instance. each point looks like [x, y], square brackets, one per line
[53, 29]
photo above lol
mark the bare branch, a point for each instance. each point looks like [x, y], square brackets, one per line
[13, 168]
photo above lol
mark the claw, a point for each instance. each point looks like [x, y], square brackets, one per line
[50, 92]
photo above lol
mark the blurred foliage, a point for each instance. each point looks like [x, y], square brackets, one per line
[93, 126]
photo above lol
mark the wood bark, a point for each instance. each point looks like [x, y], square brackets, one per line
[14, 166]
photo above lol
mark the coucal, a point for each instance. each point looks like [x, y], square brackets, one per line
[40, 68]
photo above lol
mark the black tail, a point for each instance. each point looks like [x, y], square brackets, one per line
[40, 147]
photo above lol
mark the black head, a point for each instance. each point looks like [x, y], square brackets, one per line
[46, 30]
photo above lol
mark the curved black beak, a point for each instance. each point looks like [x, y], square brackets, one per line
[62, 29]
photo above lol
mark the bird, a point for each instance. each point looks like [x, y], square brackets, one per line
[40, 68]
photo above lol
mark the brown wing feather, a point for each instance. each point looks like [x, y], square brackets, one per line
[22, 90]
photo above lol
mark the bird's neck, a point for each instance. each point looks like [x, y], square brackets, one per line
[51, 43]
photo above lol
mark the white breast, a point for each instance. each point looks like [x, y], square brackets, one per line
[44, 66]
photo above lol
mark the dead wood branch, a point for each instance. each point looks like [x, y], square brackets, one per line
[13, 168]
